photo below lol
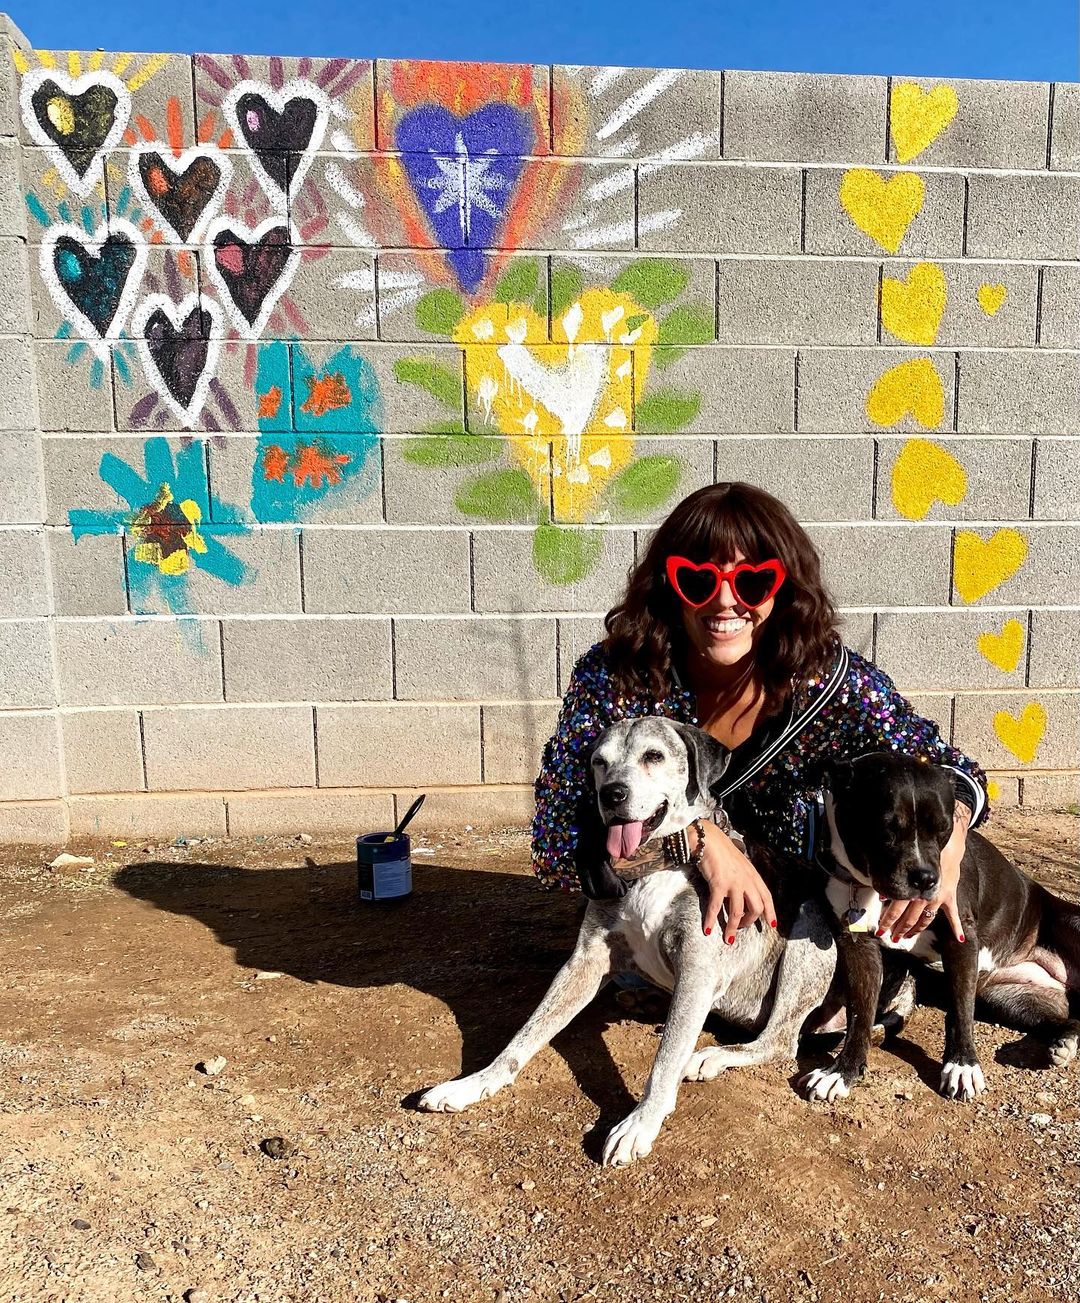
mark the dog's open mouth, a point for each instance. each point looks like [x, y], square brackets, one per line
[623, 839]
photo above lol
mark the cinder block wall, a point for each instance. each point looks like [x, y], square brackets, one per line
[338, 396]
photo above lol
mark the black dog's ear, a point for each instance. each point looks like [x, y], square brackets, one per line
[838, 776]
[707, 760]
[598, 879]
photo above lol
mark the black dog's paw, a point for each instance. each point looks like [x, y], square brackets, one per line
[601, 882]
[829, 1084]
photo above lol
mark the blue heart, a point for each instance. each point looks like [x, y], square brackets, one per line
[464, 172]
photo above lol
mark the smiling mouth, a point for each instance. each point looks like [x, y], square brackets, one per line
[624, 837]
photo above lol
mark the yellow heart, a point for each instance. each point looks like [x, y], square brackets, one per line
[993, 790]
[1003, 649]
[924, 474]
[912, 309]
[573, 399]
[909, 387]
[1021, 736]
[882, 209]
[991, 297]
[979, 565]
[919, 117]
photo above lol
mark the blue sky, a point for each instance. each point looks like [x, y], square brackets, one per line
[1027, 39]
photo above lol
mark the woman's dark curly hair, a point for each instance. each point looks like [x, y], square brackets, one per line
[645, 631]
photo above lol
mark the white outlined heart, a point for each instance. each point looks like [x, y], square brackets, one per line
[179, 164]
[177, 314]
[73, 87]
[250, 235]
[65, 305]
[277, 99]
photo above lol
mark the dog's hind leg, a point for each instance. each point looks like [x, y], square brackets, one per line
[1040, 1009]
[573, 988]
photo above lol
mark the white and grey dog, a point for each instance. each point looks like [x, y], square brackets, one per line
[653, 777]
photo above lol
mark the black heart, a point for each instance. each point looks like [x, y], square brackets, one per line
[94, 282]
[179, 355]
[250, 271]
[273, 136]
[79, 137]
[180, 197]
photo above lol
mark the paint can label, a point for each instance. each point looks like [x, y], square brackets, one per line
[386, 879]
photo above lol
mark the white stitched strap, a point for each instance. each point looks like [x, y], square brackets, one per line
[976, 790]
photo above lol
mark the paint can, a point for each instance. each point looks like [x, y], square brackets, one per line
[384, 866]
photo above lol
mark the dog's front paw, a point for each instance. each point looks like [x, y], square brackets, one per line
[962, 1081]
[705, 1065]
[453, 1096]
[1063, 1050]
[825, 1084]
[629, 1139]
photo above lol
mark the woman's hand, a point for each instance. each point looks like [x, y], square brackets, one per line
[734, 883]
[907, 918]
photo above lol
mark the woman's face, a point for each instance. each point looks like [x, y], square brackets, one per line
[724, 631]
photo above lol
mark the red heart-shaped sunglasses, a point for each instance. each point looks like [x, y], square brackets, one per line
[752, 585]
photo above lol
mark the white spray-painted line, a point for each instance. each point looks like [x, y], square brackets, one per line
[604, 78]
[611, 184]
[629, 144]
[639, 101]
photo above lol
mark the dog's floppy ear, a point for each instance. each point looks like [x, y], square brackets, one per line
[838, 776]
[707, 759]
[598, 879]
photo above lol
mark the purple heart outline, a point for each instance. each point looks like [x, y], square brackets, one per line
[464, 172]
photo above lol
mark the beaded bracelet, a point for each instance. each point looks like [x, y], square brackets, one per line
[677, 847]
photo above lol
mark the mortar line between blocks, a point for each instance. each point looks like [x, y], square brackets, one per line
[375, 104]
[1039, 305]
[802, 213]
[952, 563]
[472, 572]
[300, 562]
[1050, 126]
[393, 659]
[142, 751]
[376, 265]
[795, 412]
[888, 113]
[720, 133]
[315, 742]
[877, 305]
[956, 394]
[952, 719]
[1031, 487]
[194, 104]
[964, 228]
[874, 481]
[482, 765]
[1027, 658]
[221, 654]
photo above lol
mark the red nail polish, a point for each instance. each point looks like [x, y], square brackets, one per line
[708, 931]
[773, 923]
[731, 941]
[963, 938]
[880, 932]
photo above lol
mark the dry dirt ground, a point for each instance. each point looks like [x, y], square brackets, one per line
[127, 1174]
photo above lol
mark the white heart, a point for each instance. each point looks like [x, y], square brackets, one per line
[180, 164]
[60, 296]
[81, 185]
[177, 313]
[298, 89]
[250, 235]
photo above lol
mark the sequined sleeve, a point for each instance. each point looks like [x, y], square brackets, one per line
[888, 721]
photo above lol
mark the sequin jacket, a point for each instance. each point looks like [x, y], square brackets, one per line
[771, 792]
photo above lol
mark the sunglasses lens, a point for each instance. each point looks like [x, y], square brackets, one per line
[752, 587]
[695, 586]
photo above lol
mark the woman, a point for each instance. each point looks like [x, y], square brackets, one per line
[745, 647]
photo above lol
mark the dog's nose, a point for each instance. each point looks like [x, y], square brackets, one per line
[614, 793]
[924, 881]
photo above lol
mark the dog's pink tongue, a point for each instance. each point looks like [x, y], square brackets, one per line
[623, 839]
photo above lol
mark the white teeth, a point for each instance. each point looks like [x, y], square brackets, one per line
[724, 626]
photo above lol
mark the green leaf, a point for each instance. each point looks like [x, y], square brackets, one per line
[666, 411]
[638, 319]
[567, 284]
[643, 486]
[506, 495]
[451, 449]
[682, 326]
[563, 556]
[518, 282]
[652, 281]
[438, 380]
[439, 311]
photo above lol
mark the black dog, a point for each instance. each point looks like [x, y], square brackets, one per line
[889, 818]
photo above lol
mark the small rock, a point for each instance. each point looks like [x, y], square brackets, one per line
[144, 1262]
[1040, 1119]
[202, 1203]
[211, 1067]
[80, 1225]
[196, 1296]
[526, 1185]
[66, 861]
[277, 1147]
[246, 1100]
[267, 977]
[306, 838]
[180, 841]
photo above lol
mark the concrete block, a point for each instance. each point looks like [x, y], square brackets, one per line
[333, 290]
[231, 402]
[308, 660]
[34, 823]
[1055, 649]
[899, 565]
[1059, 320]
[1019, 391]
[269, 583]
[936, 707]
[506, 578]
[577, 634]
[1065, 128]
[979, 716]
[414, 285]
[88, 576]
[358, 201]
[477, 659]
[936, 230]
[598, 111]
[26, 664]
[1051, 791]
[10, 40]
[1004, 791]
[965, 323]
[287, 814]
[426, 479]
[998, 479]
[627, 481]
[23, 568]
[592, 206]
[229, 748]
[40, 178]
[730, 391]
[12, 194]
[514, 738]
[719, 208]
[162, 817]
[796, 301]
[817, 479]
[1047, 576]
[804, 117]
[73, 479]
[18, 391]
[667, 283]
[103, 751]
[138, 662]
[857, 631]
[835, 386]
[1057, 479]
[932, 650]
[478, 809]
[30, 768]
[998, 124]
[22, 486]
[1023, 216]
[380, 746]
[67, 395]
[384, 572]
[421, 387]
[15, 278]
